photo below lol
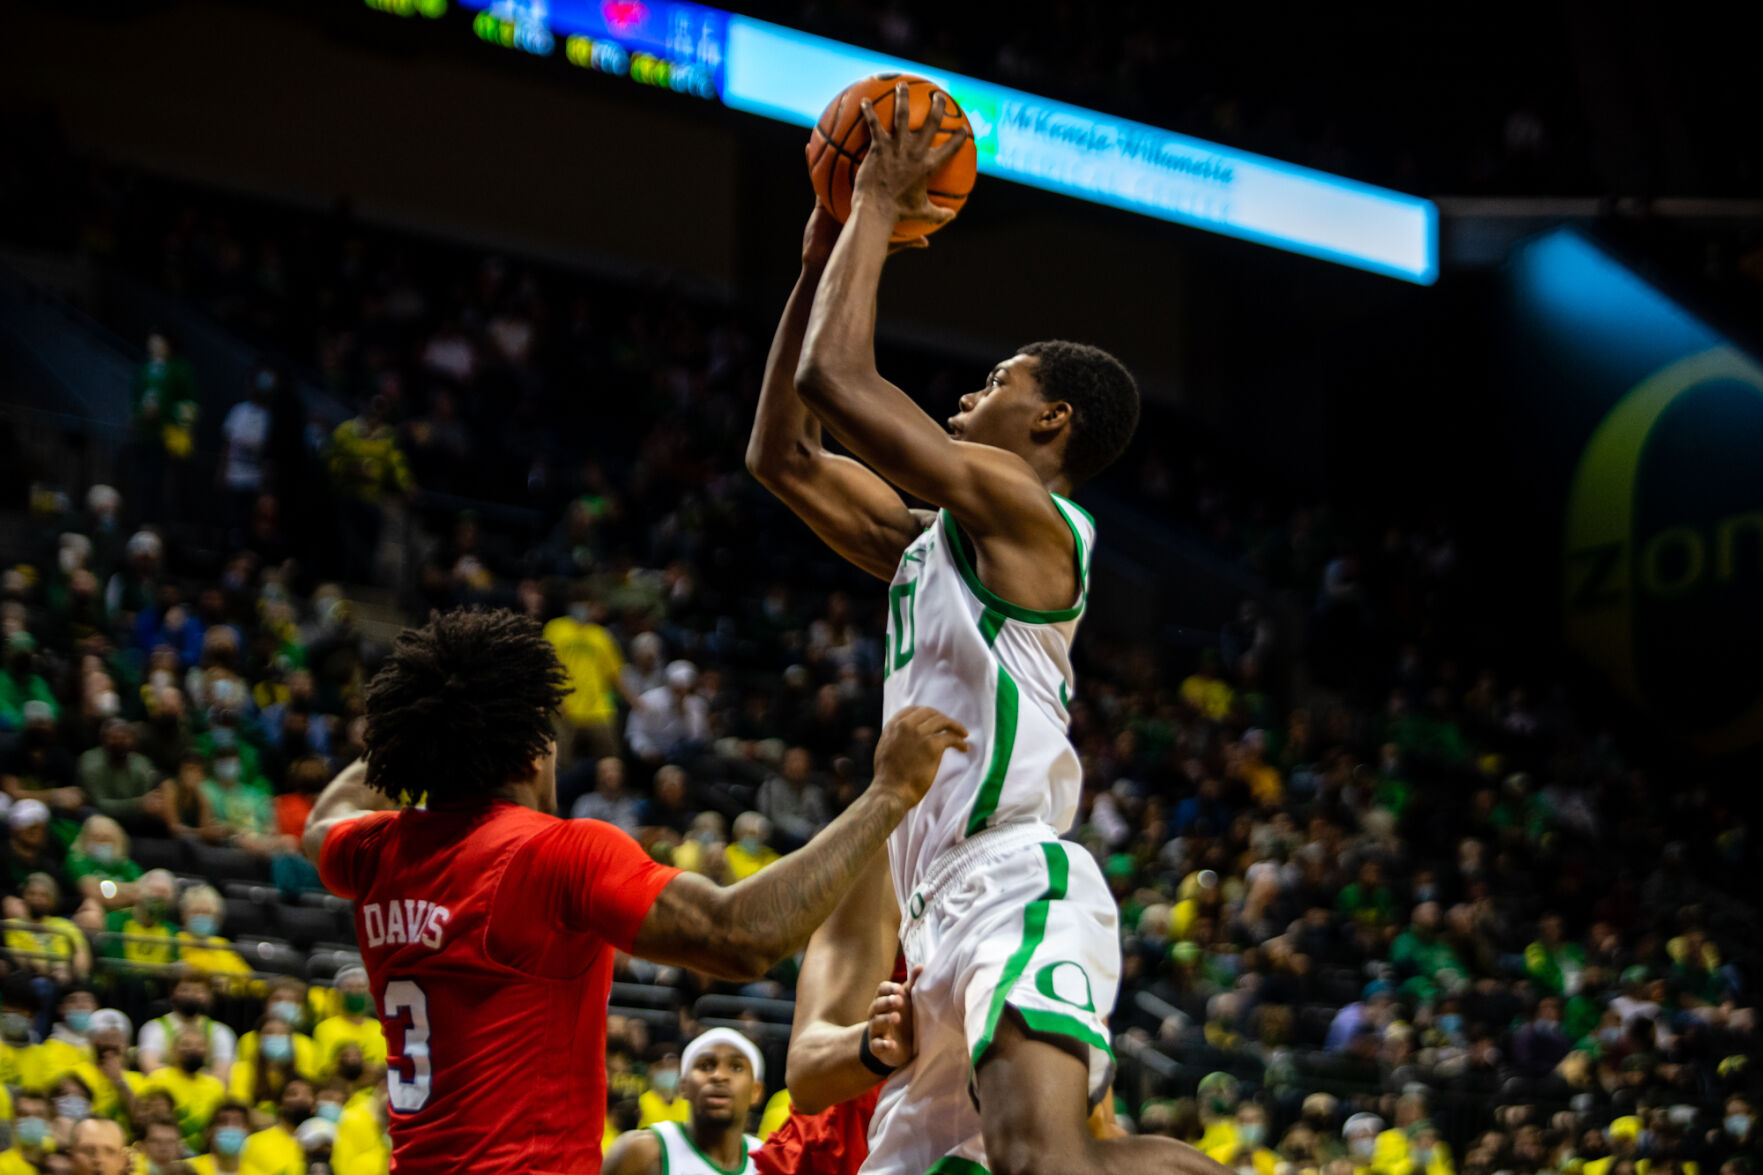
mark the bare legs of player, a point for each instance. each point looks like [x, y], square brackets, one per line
[1033, 1094]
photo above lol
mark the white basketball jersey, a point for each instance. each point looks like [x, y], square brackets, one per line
[681, 1156]
[1003, 672]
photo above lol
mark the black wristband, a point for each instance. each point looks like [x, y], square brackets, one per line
[870, 1061]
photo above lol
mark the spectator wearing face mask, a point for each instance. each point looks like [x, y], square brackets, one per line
[227, 1133]
[195, 1094]
[49, 945]
[269, 1057]
[146, 928]
[243, 809]
[120, 782]
[70, 1102]
[354, 1024]
[22, 1060]
[277, 1149]
[200, 942]
[661, 1102]
[113, 1086]
[750, 851]
[352, 1075]
[286, 1002]
[587, 720]
[69, 1043]
[32, 1138]
[191, 998]
[98, 864]
[1249, 1154]
[670, 721]
[1360, 1134]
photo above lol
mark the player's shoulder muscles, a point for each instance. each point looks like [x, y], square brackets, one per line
[635, 1152]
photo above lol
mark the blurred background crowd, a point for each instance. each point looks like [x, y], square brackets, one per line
[1389, 904]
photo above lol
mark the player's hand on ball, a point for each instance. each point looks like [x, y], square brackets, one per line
[890, 1022]
[911, 749]
[899, 164]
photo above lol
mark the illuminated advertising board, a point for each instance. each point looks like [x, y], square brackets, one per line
[767, 69]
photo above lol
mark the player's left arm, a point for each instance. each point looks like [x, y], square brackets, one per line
[346, 797]
[990, 491]
[851, 953]
[635, 1152]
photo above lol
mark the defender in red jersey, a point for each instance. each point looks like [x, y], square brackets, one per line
[488, 925]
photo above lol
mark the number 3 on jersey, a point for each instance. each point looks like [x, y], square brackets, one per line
[408, 1084]
[902, 604]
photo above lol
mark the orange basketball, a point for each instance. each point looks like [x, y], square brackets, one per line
[840, 140]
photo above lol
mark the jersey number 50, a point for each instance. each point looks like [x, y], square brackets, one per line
[408, 1084]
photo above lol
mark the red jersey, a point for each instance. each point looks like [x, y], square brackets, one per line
[832, 1142]
[488, 935]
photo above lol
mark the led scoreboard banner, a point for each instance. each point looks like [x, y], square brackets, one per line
[767, 69]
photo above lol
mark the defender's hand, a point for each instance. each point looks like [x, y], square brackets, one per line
[898, 166]
[890, 1022]
[911, 749]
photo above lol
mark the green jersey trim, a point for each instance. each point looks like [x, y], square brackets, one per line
[1059, 1024]
[686, 1134]
[1075, 506]
[1034, 929]
[991, 789]
[956, 1165]
[996, 602]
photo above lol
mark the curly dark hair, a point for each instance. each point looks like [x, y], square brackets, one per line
[1104, 402]
[462, 706]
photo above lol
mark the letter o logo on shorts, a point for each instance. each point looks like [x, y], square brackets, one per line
[1066, 982]
[916, 905]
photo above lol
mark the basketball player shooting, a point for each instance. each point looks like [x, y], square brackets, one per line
[1015, 933]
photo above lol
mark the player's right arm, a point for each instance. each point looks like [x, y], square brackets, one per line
[853, 510]
[636, 1152]
[848, 958]
[738, 932]
[346, 797]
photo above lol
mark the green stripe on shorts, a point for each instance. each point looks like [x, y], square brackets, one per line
[1034, 929]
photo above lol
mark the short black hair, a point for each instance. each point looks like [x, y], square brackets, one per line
[1103, 396]
[462, 705]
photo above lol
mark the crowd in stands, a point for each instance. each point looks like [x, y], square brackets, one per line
[1384, 909]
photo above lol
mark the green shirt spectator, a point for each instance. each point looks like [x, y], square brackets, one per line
[149, 918]
[1428, 961]
[164, 395]
[245, 807]
[1555, 965]
[119, 782]
[1368, 899]
[21, 683]
[98, 855]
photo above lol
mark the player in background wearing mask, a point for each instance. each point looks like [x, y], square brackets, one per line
[489, 925]
[723, 1076]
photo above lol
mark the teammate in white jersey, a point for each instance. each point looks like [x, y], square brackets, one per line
[721, 1077]
[1013, 931]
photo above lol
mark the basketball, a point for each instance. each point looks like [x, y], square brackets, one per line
[840, 139]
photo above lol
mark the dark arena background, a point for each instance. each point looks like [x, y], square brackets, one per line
[1419, 710]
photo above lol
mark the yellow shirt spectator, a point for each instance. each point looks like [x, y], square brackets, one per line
[365, 461]
[591, 658]
[272, 1152]
[213, 954]
[743, 864]
[1211, 696]
[61, 1055]
[653, 1108]
[332, 1034]
[14, 1163]
[1220, 1135]
[194, 1097]
[26, 1066]
[362, 1147]
[777, 1112]
[53, 936]
[241, 1082]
